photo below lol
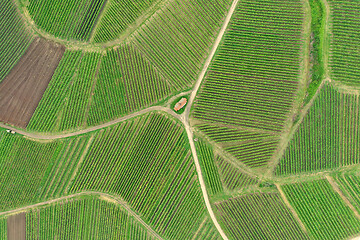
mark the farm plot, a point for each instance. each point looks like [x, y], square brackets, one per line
[14, 37]
[3, 228]
[251, 85]
[48, 166]
[66, 19]
[322, 210]
[232, 177]
[118, 16]
[23, 87]
[207, 230]
[350, 186]
[137, 231]
[177, 38]
[92, 88]
[211, 174]
[86, 218]
[327, 138]
[258, 216]
[147, 161]
[16, 228]
[344, 44]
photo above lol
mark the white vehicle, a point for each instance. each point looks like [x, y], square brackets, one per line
[10, 131]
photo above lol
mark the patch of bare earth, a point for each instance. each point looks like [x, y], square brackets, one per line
[22, 89]
[16, 227]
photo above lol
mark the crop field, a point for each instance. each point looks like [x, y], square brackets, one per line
[136, 231]
[114, 21]
[22, 162]
[177, 44]
[68, 19]
[232, 177]
[14, 38]
[23, 87]
[267, 145]
[89, 88]
[211, 174]
[206, 231]
[350, 186]
[327, 138]
[344, 47]
[258, 216]
[322, 210]
[169, 200]
[3, 228]
[107, 220]
[48, 166]
[246, 88]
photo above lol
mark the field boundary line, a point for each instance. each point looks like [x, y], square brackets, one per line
[336, 188]
[100, 195]
[287, 203]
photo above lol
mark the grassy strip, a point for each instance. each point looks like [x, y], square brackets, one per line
[316, 47]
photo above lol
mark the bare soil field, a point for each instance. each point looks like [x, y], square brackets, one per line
[16, 227]
[23, 87]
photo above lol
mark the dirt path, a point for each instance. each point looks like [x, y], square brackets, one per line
[296, 216]
[91, 129]
[187, 113]
[103, 196]
[347, 202]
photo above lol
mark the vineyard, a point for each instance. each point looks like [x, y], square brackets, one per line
[244, 217]
[345, 57]
[53, 221]
[169, 200]
[321, 209]
[211, 174]
[327, 138]
[251, 84]
[48, 166]
[267, 145]
[114, 22]
[14, 38]
[89, 88]
[350, 186]
[176, 44]
[76, 21]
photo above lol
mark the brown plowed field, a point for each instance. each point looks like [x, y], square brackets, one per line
[16, 227]
[23, 87]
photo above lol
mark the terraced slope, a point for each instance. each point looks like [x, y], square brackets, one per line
[252, 83]
[327, 138]
[344, 47]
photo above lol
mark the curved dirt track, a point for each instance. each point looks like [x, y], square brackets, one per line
[90, 129]
[103, 196]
